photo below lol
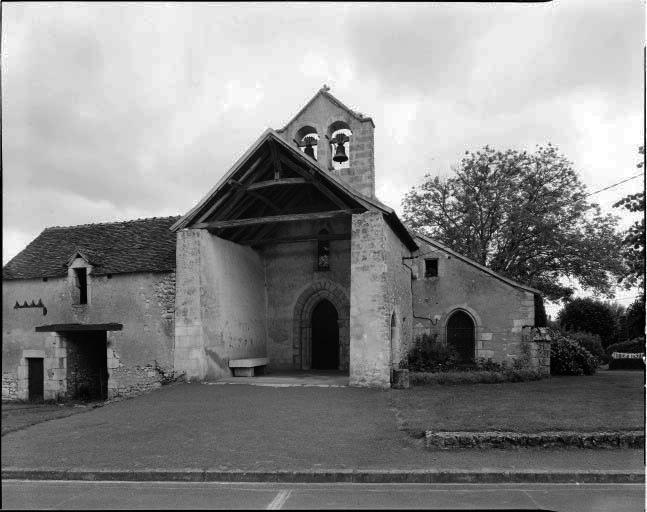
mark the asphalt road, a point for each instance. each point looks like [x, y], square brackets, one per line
[20, 494]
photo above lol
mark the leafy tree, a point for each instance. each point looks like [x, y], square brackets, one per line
[589, 315]
[636, 319]
[525, 215]
[633, 245]
[619, 316]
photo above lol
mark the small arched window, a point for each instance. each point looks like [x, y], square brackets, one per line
[307, 141]
[323, 250]
[339, 134]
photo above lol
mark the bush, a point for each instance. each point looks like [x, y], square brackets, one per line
[590, 342]
[567, 357]
[430, 355]
[473, 377]
[589, 315]
[635, 345]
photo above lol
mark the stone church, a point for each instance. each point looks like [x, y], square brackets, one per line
[289, 257]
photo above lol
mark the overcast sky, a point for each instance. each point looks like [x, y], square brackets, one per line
[122, 111]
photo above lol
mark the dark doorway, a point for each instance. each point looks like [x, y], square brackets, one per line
[460, 335]
[36, 378]
[87, 365]
[325, 337]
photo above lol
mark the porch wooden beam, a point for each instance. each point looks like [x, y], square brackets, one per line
[277, 183]
[312, 178]
[228, 194]
[219, 224]
[275, 161]
[295, 238]
[237, 203]
[255, 194]
[265, 230]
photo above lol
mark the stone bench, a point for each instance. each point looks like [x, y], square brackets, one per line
[245, 367]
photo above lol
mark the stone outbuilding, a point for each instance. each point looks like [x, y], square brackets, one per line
[88, 311]
[290, 257]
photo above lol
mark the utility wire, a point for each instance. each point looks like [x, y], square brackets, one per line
[614, 185]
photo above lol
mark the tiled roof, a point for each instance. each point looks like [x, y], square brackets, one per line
[142, 245]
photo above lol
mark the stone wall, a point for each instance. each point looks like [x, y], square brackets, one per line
[498, 309]
[292, 279]
[399, 296]
[536, 347]
[9, 386]
[220, 304]
[321, 114]
[139, 301]
[377, 286]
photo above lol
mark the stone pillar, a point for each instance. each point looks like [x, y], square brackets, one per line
[56, 367]
[370, 316]
[189, 355]
[537, 342]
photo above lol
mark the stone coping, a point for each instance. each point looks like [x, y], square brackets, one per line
[549, 439]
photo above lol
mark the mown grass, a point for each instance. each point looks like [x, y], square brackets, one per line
[608, 400]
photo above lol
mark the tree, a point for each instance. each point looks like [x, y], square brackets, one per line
[589, 315]
[633, 244]
[524, 215]
[636, 319]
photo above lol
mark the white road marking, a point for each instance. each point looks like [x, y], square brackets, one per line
[279, 500]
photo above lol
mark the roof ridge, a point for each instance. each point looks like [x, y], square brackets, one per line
[325, 91]
[112, 223]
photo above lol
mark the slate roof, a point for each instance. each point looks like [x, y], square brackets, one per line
[142, 245]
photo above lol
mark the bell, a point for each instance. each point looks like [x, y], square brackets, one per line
[310, 151]
[340, 153]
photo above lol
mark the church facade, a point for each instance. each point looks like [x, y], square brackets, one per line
[290, 256]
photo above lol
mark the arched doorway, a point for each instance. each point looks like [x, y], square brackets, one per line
[325, 337]
[460, 335]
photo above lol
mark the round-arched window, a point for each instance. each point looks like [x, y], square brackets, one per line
[339, 134]
[307, 140]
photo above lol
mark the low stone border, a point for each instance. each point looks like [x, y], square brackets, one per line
[332, 476]
[559, 439]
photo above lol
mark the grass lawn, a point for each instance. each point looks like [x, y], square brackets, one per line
[608, 400]
[16, 416]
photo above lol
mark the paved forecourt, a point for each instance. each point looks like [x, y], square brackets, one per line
[204, 432]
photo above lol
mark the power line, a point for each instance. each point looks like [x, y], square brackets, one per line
[614, 185]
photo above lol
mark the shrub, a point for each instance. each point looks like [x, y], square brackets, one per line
[428, 355]
[635, 345]
[473, 377]
[589, 315]
[567, 357]
[590, 342]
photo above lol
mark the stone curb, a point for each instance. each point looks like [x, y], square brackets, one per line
[559, 439]
[333, 476]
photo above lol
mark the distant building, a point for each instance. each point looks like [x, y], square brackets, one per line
[290, 256]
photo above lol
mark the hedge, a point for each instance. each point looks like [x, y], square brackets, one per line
[473, 377]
